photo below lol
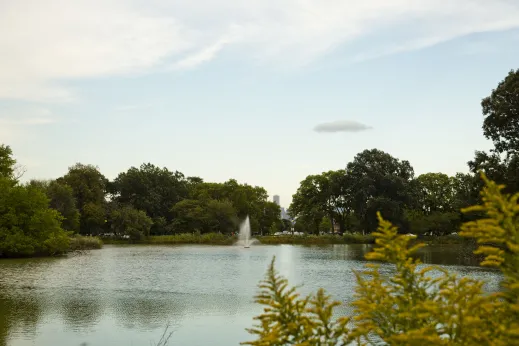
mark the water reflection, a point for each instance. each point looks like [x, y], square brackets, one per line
[80, 311]
[127, 295]
[20, 314]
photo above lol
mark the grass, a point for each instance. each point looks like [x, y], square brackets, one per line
[79, 242]
[318, 239]
[190, 238]
[178, 239]
[222, 239]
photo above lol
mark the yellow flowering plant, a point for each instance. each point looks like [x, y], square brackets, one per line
[417, 304]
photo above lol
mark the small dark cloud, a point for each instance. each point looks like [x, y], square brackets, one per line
[341, 126]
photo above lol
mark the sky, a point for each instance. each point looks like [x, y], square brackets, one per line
[263, 91]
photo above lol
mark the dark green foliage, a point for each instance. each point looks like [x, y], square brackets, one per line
[79, 243]
[245, 200]
[204, 216]
[28, 226]
[151, 189]
[125, 220]
[311, 239]
[501, 111]
[61, 198]
[89, 189]
[7, 162]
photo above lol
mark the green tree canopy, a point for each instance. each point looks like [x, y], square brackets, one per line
[89, 189]
[7, 162]
[27, 225]
[126, 220]
[501, 111]
[380, 182]
[151, 189]
[435, 192]
[61, 198]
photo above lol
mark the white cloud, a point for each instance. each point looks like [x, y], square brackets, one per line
[46, 43]
[341, 126]
[16, 124]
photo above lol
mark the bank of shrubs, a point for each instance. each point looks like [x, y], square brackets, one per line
[408, 307]
[30, 225]
[347, 238]
[78, 242]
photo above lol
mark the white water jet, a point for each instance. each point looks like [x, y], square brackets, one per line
[244, 237]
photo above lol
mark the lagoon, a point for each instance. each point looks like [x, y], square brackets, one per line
[128, 295]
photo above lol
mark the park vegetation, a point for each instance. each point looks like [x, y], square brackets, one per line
[407, 303]
[428, 204]
[151, 204]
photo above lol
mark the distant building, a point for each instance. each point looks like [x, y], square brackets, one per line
[284, 214]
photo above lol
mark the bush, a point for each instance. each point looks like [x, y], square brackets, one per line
[84, 243]
[409, 307]
[347, 238]
[196, 238]
[28, 227]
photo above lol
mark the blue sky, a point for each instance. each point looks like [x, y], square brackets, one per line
[231, 89]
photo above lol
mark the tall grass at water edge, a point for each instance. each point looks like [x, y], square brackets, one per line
[318, 239]
[190, 238]
[78, 242]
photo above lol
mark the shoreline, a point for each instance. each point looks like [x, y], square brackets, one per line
[221, 239]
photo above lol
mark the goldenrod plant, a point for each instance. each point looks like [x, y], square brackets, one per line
[414, 305]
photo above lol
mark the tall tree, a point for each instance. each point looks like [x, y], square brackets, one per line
[435, 192]
[246, 200]
[27, 225]
[7, 162]
[151, 189]
[61, 198]
[327, 194]
[380, 182]
[501, 111]
[125, 220]
[89, 188]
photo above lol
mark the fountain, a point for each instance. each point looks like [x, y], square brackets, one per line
[244, 237]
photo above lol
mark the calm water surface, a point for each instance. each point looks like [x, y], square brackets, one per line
[124, 296]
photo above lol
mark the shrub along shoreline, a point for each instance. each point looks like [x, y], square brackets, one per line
[223, 239]
[78, 243]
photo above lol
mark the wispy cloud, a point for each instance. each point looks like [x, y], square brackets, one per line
[17, 123]
[341, 126]
[66, 41]
[131, 107]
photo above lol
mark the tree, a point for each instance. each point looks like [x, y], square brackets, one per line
[501, 111]
[409, 306]
[380, 182]
[151, 189]
[325, 226]
[324, 194]
[501, 170]
[27, 225]
[126, 220]
[246, 200]
[7, 162]
[221, 216]
[271, 215]
[189, 216]
[435, 192]
[89, 188]
[61, 198]
[286, 225]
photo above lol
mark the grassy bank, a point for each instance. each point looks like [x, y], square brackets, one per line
[177, 239]
[222, 239]
[78, 243]
[318, 239]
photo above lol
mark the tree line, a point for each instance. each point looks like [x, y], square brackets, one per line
[142, 201]
[430, 203]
